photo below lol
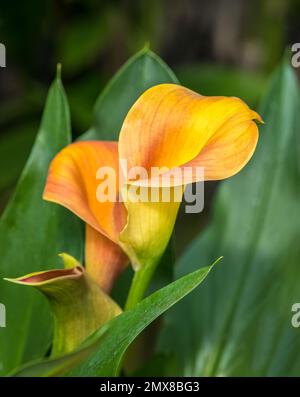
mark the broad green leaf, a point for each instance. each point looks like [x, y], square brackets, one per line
[141, 72]
[104, 351]
[240, 322]
[32, 233]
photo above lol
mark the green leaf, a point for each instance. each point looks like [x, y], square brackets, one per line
[141, 72]
[32, 233]
[105, 349]
[240, 322]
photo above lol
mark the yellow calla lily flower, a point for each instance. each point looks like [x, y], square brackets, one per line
[169, 127]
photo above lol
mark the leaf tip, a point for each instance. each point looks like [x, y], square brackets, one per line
[145, 49]
[11, 280]
[147, 46]
[58, 71]
[217, 260]
[68, 261]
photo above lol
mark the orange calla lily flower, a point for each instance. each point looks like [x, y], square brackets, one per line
[72, 183]
[168, 126]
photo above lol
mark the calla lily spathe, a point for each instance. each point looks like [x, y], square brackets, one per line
[168, 126]
[72, 183]
[79, 306]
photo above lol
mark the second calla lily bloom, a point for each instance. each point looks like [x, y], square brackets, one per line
[168, 126]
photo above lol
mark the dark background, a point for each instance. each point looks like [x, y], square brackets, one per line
[216, 47]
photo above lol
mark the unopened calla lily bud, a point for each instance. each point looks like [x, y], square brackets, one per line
[78, 304]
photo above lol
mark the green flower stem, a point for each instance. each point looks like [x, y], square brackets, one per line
[140, 284]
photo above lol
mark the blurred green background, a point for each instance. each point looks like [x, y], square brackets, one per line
[216, 47]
